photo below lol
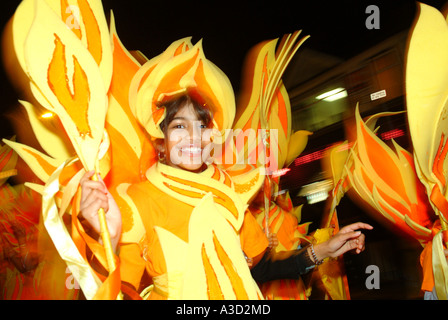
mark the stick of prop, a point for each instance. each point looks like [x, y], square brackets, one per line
[105, 236]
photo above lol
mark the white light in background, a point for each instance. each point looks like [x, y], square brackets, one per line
[316, 197]
[333, 95]
[280, 172]
[47, 115]
[316, 191]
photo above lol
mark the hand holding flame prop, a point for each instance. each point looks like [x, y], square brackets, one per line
[69, 68]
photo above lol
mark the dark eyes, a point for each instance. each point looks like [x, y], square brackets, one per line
[182, 126]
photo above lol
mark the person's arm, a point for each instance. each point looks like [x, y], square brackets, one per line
[282, 265]
[291, 264]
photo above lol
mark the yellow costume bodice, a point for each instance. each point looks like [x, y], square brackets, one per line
[191, 243]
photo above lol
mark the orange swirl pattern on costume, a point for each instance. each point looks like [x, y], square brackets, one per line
[171, 80]
[235, 279]
[219, 196]
[214, 291]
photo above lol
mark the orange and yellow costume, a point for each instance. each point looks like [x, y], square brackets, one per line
[192, 225]
[187, 231]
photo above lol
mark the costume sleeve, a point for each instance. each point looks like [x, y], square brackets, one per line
[132, 265]
[252, 238]
[282, 265]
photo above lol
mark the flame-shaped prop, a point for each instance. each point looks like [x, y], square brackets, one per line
[387, 180]
[264, 105]
[426, 100]
[65, 52]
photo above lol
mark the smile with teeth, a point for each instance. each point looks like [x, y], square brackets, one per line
[191, 150]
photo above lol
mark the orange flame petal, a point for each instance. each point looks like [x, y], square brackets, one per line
[93, 34]
[75, 104]
[66, 15]
[382, 163]
[5, 159]
[237, 283]
[207, 91]
[213, 289]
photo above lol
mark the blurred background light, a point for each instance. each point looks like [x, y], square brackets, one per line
[333, 95]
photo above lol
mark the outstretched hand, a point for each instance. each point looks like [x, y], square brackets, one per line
[349, 238]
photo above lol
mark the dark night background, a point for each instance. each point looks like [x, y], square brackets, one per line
[230, 28]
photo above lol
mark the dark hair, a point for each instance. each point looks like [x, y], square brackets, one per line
[173, 106]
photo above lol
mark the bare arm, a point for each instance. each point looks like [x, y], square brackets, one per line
[270, 265]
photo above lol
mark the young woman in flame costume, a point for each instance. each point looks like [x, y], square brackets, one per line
[195, 230]
[181, 220]
[194, 235]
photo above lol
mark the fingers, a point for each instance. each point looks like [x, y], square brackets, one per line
[95, 200]
[355, 239]
[94, 195]
[86, 177]
[357, 244]
[348, 241]
[346, 236]
[361, 244]
[356, 226]
[273, 240]
[87, 183]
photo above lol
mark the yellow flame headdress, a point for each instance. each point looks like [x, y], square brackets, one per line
[182, 68]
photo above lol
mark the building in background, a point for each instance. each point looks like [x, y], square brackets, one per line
[325, 104]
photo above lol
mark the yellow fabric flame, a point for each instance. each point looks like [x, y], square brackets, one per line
[51, 51]
[426, 100]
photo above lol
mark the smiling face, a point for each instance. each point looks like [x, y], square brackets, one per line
[187, 142]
